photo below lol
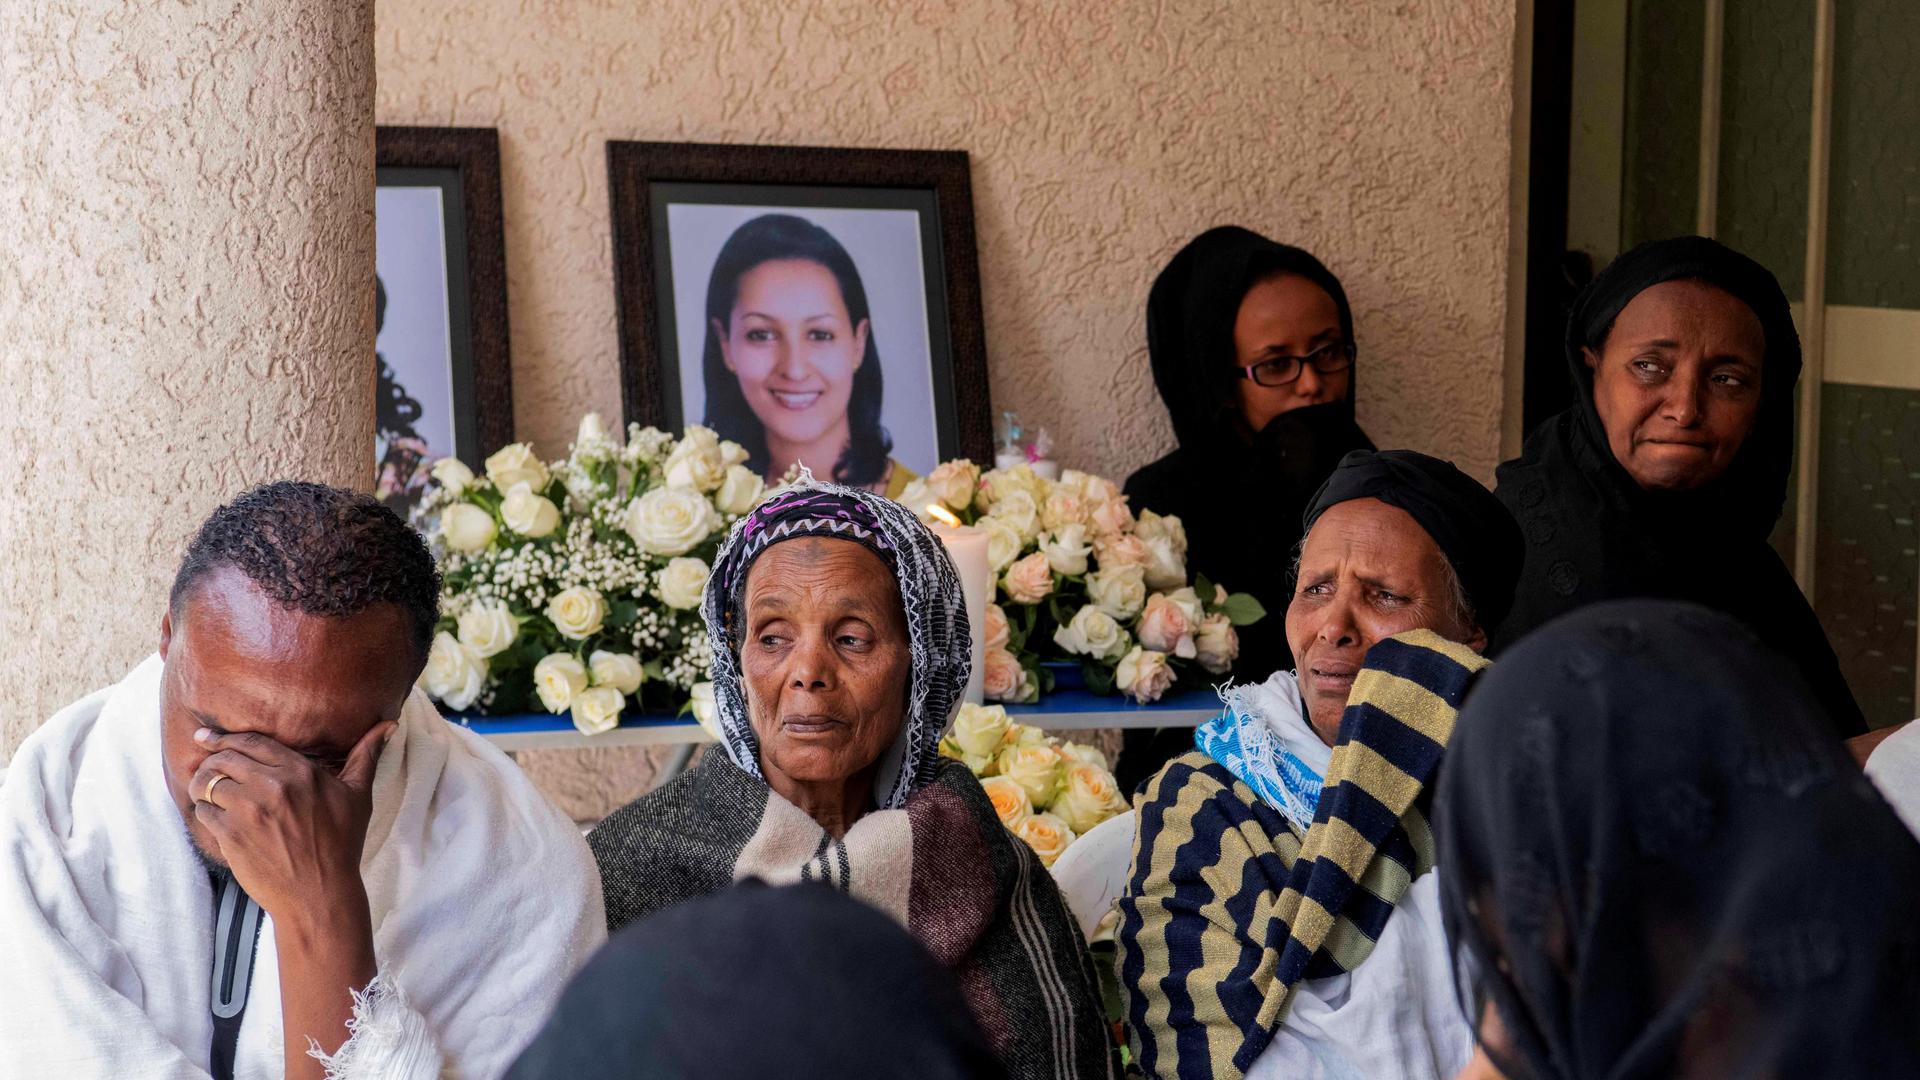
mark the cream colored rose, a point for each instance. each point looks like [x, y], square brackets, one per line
[978, 729]
[1143, 675]
[530, 515]
[488, 629]
[455, 673]
[1064, 508]
[1010, 802]
[1081, 754]
[1152, 526]
[1164, 627]
[917, 496]
[1035, 768]
[1116, 551]
[452, 474]
[670, 520]
[1089, 796]
[577, 612]
[1120, 591]
[1094, 633]
[997, 484]
[740, 491]
[1027, 735]
[953, 483]
[682, 582]
[1020, 513]
[598, 710]
[1029, 580]
[697, 461]
[622, 671]
[1189, 603]
[1066, 550]
[1166, 567]
[1047, 835]
[558, 678]
[515, 464]
[1004, 542]
[1000, 675]
[997, 633]
[704, 710]
[466, 528]
[1111, 518]
[1217, 644]
[977, 765]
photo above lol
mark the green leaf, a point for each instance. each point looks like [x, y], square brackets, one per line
[1206, 591]
[1242, 609]
[1099, 677]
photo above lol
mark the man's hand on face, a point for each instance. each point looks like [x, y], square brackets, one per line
[290, 831]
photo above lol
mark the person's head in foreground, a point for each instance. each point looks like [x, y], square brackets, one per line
[799, 981]
[792, 371]
[1243, 329]
[1280, 916]
[840, 649]
[1659, 862]
[1395, 541]
[275, 760]
[1687, 356]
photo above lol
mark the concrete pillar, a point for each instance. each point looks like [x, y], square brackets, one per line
[186, 302]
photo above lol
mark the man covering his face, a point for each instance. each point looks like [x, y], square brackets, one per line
[263, 853]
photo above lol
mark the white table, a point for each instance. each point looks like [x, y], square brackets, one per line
[1066, 710]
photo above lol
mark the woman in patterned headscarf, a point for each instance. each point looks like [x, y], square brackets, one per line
[840, 645]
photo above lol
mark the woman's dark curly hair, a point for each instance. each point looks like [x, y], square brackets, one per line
[320, 551]
[783, 236]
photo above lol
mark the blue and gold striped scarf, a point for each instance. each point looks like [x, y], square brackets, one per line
[1228, 908]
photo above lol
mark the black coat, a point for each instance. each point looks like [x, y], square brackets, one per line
[1240, 497]
[1593, 534]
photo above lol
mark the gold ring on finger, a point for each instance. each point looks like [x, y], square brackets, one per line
[207, 796]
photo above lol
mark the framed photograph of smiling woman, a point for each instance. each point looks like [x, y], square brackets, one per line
[817, 306]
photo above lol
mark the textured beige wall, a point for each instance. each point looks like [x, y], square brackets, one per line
[185, 301]
[1103, 135]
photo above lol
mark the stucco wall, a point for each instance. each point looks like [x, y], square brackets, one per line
[1103, 135]
[186, 301]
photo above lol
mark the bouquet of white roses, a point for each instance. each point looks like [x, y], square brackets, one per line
[1081, 579]
[576, 585]
[1047, 792]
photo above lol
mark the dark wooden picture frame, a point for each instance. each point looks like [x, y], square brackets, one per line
[465, 164]
[802, 177]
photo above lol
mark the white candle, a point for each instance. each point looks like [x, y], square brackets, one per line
[967, 547]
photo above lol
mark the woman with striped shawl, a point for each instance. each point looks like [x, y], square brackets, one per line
[1279, 918]
[840, 648]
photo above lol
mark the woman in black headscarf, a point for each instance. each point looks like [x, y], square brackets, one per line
[1252, 348]
[1670, 469]
[1660, 863]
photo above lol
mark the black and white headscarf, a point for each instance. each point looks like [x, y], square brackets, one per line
[937, 629]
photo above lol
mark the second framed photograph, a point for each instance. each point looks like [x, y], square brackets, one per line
[817, 306]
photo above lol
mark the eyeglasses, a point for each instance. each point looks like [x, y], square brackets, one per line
[1281, 370]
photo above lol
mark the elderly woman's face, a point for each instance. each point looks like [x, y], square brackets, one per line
[825, 659]
[1367, 571]
[794, 349]
[1677, 384]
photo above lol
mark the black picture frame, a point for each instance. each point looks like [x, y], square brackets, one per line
[644, 176]
[464, 163]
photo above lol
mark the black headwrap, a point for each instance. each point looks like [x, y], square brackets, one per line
[1593, 534]
[1476, 534]
[1754, 488]
[1240, 494]
[800, 981]
[1656, 861]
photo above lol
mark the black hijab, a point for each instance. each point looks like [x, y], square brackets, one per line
[1240, 496]
[1471, 528]
[800, 981]
[1594, 534]
[1657, 862]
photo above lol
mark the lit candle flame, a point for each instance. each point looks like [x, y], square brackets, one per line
[942, 513]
